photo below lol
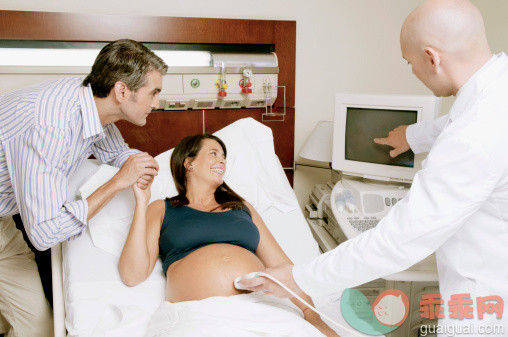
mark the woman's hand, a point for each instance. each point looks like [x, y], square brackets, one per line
[315, 320]
[142, 195]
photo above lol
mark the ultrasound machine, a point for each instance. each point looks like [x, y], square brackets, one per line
[366, 183]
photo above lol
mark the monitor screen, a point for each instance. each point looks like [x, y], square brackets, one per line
[365, 124]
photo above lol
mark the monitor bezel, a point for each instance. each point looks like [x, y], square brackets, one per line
[427, 109]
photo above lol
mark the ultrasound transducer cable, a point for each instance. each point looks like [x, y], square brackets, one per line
[240, 286]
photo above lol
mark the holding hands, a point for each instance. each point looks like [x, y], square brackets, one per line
[139, 169]
[142, 195]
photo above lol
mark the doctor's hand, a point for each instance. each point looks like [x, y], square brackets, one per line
[396, 139]
[283, 273]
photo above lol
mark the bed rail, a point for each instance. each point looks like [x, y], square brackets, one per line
[58, 301]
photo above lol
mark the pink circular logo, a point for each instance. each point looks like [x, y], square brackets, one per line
[391, 307]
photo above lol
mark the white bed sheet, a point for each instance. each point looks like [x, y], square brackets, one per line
[97, 303]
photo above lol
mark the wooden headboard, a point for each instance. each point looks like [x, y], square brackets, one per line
[165, 128]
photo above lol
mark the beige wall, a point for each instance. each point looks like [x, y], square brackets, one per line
[342, 45]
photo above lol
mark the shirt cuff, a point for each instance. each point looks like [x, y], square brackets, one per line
[412, 132]
[79, 209]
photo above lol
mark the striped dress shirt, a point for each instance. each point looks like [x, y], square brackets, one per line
[46, 132]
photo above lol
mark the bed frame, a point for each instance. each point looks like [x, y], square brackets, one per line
[58, 300]
[154, 138]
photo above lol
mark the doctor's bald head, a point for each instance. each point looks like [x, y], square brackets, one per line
[445, 42]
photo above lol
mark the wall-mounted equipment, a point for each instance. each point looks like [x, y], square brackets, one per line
[195, 79]
[233, 80]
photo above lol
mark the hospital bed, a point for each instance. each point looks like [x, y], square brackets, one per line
[89, 296]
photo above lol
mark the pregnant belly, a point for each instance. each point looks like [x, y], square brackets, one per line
[209, 271]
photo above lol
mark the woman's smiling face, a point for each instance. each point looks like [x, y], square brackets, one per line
[210, 163]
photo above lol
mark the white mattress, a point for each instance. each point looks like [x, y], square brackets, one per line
[98, 304]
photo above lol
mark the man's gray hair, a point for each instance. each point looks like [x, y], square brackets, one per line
[124, 60]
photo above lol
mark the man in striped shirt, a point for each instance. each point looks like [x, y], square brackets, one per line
[46, 132]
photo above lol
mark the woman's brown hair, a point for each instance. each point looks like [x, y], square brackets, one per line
[189, 148]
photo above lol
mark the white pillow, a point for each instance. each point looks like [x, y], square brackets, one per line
[79, 177]
[163, 185]
[110, 226]
[254, 169]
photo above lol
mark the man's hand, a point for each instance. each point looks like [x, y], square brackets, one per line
[396, 139]
[282, 273]
[140, 168]
[145, 181]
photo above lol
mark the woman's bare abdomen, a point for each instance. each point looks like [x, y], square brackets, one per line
[209, 271]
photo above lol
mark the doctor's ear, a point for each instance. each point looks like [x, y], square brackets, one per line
[433, 56]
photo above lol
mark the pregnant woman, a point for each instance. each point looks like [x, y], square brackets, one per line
[206, 236]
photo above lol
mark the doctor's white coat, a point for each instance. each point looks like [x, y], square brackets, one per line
[457, 207]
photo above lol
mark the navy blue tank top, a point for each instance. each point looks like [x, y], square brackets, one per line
[185, 229]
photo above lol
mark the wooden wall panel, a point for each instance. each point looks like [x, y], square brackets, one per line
[290, 175]
[163, 130]
[285, 48]
[20, 25]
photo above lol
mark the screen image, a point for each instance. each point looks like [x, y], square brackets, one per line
[363, 125]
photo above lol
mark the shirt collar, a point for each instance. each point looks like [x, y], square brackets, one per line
[91, 122]
[477, 83]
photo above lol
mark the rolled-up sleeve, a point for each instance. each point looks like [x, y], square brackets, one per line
[112, 149]
[36, 162]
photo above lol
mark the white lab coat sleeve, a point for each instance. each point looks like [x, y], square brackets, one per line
[422, 135]
[447, 191]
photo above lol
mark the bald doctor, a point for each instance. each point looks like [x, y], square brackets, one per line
[458, 203]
